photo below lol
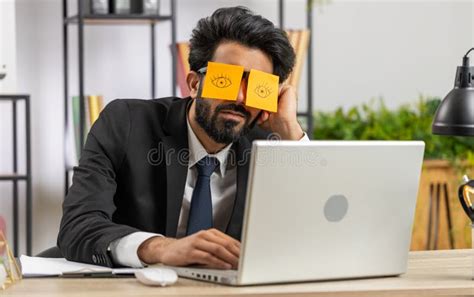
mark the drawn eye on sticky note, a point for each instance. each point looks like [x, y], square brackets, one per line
[262, 90]
[222, 81]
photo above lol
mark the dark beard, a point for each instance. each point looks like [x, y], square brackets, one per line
[221, 131]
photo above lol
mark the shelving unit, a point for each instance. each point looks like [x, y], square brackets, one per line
[15, 177]
[308, 114]
[82, 19]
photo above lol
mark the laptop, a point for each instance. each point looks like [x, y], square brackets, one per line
[325, 210]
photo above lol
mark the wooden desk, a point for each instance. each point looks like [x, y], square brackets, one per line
[429, 273]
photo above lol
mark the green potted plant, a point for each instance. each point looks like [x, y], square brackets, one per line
[374, 121]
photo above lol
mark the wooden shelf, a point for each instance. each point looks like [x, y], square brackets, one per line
[109, 19]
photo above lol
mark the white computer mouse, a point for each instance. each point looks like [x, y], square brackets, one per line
[156, 276]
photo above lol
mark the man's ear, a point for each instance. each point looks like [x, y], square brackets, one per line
[192, 80]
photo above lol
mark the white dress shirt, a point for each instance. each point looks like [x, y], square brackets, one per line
[223, 190]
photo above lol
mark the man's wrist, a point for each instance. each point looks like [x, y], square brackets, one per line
[292, 131]
[151, 250]
[147, 251]
[124, 250]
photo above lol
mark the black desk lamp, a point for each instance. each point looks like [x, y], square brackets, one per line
[455, 116]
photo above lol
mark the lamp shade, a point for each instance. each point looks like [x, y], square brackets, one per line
[455, 114]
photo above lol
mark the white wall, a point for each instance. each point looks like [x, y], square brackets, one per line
[362, 50]
[40, 74]
[7, 85]
[7, 46]
[392, 49]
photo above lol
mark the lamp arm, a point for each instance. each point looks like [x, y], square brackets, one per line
[472, 49]
[465, 59]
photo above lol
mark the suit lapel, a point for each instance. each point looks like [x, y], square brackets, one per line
[176, 156]
[242, 150]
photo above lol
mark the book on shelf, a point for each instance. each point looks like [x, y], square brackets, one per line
[182, 54]
[75, 131]
[93, 105]
[299, 39]
[96, 6]
[122, 7]
[151, 7]
[70, 144]
[96, 104]
[87, 117]
[99, 6]
[127, 6]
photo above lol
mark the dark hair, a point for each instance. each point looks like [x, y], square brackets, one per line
[241, 25]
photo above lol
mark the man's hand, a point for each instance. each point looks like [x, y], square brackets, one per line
[210, 248]
[285, 121]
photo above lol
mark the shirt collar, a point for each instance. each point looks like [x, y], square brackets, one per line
[197, 151]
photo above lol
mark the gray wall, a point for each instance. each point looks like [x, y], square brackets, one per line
[362, 50]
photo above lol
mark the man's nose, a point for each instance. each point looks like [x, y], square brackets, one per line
[242, 94]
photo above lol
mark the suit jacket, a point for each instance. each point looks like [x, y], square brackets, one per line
[131, 177]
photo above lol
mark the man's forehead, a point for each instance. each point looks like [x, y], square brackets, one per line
[237, 54]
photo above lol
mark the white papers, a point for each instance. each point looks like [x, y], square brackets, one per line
[36, 267]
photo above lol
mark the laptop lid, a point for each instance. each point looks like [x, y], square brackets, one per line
[325, 210]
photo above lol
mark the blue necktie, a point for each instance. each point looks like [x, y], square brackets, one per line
[200, 213]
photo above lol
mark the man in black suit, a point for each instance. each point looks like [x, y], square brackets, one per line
[164, 181]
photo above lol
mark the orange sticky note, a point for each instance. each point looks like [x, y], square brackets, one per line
[262, 90]
[222, 81]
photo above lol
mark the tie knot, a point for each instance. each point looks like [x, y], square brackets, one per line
[207, 165]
